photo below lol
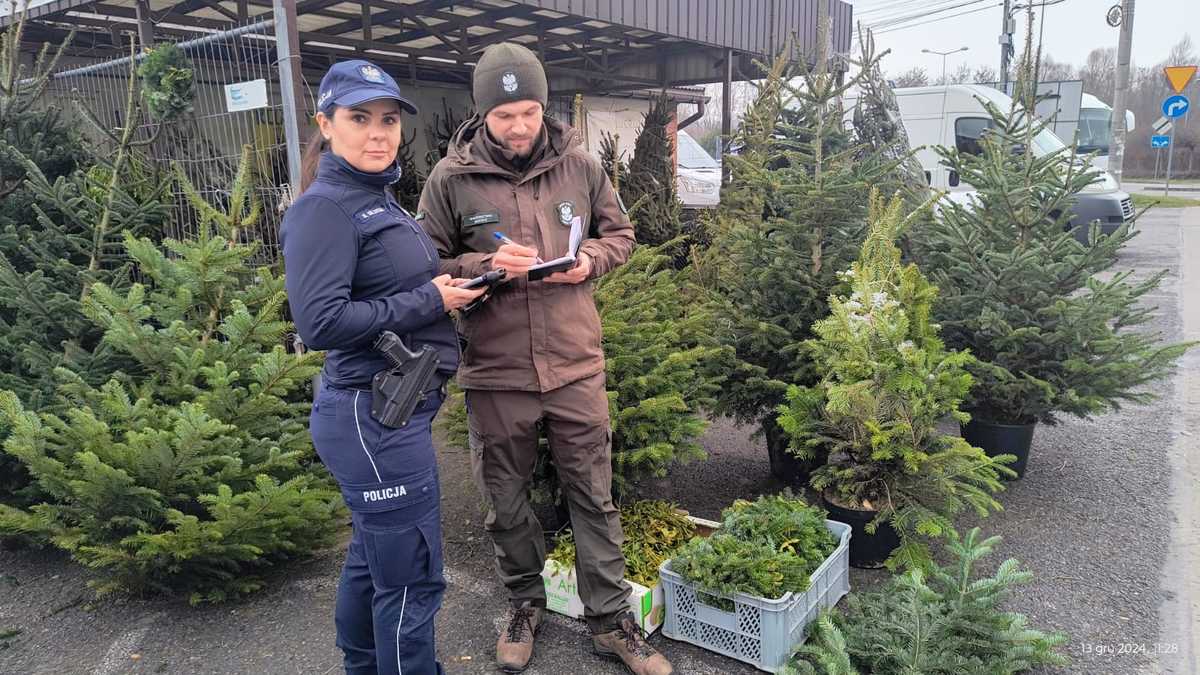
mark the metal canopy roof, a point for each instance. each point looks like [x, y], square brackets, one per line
[597, 45]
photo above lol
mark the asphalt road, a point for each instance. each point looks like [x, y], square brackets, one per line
[1107, 518]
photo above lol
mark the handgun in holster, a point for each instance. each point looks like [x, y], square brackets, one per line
[397, 391]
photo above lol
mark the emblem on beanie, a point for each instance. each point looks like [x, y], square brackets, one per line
[509, 82]
[324, 97]
[566, 211]
[371, 74]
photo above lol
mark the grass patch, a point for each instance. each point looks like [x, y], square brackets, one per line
[1141, 200]
[7, 634]
[1160, 179]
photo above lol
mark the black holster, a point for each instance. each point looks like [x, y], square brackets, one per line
[397, 391]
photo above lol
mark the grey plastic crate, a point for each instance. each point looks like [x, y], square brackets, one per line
[758, 631]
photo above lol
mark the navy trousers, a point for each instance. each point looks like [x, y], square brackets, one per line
[392, 584]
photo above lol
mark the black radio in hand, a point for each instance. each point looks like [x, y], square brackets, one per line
[396, 392]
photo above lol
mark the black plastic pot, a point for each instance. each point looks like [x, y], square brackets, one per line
[784, 465]
[1001, 439]
[867, 551]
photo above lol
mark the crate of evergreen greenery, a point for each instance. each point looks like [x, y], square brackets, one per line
[654, 530]
[751, 590]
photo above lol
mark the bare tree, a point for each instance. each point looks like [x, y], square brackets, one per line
[913, 77]
[1182, 52]
[1053, 71]
[1099, 73]
[984, 75]
[960, 75]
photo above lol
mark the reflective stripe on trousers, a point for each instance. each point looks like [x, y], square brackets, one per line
[391, 585]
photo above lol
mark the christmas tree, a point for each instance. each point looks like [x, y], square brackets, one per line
[950, 621]
[612, 160]
[649, 188]
[1056, 329]
[63, 234]
[664, 363]
[794, 215]
[886, 382]
[29, 129]
[191, 472]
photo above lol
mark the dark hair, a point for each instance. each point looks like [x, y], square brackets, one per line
[311, 159]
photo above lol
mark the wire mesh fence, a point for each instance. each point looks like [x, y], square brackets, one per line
[206, 144]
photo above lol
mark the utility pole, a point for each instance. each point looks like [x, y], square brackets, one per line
[1006, 43]
[1117, 152]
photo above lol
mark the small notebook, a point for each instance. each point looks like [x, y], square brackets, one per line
[566, 262]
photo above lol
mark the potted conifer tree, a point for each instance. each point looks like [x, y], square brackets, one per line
[793, 214]
[1055, 329]
[886, 381]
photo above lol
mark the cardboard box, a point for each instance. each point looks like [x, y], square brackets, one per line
[562, 590]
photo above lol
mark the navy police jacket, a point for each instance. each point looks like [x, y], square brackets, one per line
[358, 264]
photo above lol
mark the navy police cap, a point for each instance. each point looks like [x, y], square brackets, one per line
[350, 83]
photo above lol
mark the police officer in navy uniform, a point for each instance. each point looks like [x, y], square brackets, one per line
[358, 264]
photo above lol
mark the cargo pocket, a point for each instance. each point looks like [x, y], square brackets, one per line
[404, 499]
[403, 554]
[601, 458]
[477, 445]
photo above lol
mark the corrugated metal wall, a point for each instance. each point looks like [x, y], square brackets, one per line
[755, 26]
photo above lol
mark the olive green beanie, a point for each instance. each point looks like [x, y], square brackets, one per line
[508, 72]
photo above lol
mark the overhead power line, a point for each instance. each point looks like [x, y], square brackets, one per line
[897, 20]
[899, 12]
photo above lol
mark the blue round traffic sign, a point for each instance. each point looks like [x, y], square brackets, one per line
[1175, 106]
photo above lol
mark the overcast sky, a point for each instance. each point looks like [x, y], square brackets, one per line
[1073, 28]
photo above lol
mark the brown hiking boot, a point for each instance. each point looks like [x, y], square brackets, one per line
[515, 646]
[628, 644]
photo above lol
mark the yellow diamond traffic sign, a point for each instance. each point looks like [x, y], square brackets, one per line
[1180, 76]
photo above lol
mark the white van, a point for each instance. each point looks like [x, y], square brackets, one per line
[1095, 129]
[953, 116]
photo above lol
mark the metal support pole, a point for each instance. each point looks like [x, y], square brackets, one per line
[1170, 156]
[287, 46]
[727, 111]
[145, 26]
[1116, 156]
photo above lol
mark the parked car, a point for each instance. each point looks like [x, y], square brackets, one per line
[698, 175]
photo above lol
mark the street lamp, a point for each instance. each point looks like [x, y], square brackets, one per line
[944, 55]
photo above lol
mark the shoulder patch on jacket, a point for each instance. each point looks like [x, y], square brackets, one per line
[566, 211]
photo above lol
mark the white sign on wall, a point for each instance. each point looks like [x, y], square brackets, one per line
[246, 95]
[622, 117]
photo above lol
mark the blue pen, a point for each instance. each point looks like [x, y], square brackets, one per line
[500, 236]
